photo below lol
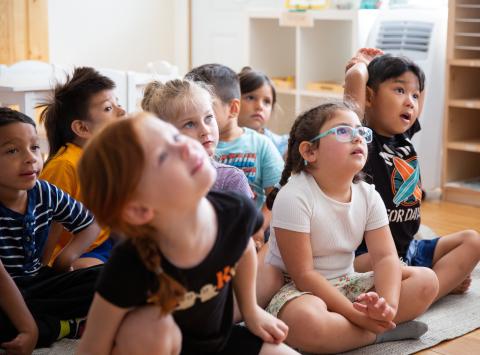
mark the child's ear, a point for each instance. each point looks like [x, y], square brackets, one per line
[306, 151]
[369, 96]
[234, 108]
[80, 128]
[136, 214]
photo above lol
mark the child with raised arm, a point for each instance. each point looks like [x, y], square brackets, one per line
[319, 217]
[56, 298]
[257, 105]
[79, 108]
[188, 106]
[150, 184]
[390, 92]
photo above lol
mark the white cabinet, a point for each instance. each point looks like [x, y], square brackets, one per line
[308, 54]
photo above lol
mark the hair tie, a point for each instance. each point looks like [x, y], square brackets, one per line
[277, 186]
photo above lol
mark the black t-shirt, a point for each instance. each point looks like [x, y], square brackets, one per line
[205, 316]
[393, 167]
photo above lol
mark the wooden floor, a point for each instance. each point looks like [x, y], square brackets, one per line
[445, 218]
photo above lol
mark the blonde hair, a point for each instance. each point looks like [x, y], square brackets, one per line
[110, 170]
[170, 100]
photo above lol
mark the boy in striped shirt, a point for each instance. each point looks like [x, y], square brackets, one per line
[55, 297]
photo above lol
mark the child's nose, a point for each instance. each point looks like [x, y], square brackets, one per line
[204, 129]
[120, 111]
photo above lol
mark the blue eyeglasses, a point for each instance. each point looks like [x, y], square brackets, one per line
[347, 134]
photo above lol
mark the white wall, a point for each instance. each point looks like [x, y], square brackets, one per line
[118, 34]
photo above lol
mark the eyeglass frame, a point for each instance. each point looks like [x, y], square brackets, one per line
[354, 134]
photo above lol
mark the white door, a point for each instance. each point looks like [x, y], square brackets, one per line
[219, 29]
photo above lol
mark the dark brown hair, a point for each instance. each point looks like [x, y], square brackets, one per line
[304, 129]
[109, 171]
[251, 80]
[223, 80]
[70, 102]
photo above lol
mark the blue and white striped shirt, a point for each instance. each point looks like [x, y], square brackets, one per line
[23, 236]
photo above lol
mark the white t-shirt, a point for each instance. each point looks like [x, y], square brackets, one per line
[336, 229]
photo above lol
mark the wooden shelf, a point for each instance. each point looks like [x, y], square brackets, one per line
[456, 192]
[468, 6]
[285, 91]
[475, 63]
[465, 103]
[331, 94]
[471, 145]
[461, 175]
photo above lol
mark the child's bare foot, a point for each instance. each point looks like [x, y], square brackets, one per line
[463, 287]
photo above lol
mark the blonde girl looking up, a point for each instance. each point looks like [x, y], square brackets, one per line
[188, 106]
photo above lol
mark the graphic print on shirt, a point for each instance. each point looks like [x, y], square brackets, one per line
[405, 176]
[207, 292]
[243, 161]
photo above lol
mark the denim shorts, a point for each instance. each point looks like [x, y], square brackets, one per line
[101, 252]
[420, 252]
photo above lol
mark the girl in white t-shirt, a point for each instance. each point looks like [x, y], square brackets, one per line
[320, 216]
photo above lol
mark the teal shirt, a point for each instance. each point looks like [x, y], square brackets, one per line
[257, 157]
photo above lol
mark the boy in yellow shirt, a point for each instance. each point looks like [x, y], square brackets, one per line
[79, 108]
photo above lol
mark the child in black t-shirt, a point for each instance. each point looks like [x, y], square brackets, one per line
[184, 250]
[389, 91]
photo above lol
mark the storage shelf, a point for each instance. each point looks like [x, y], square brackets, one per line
[470, 145]
[468, 6]
[465, 103]
[461, 174]
[331, 14]
[468, 20]
[475, 63]
[467, 34]
[458, 192]
[331, 94]
[285, 91]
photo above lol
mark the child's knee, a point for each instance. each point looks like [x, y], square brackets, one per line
[146, 331]
[472, 238]
[427, 283]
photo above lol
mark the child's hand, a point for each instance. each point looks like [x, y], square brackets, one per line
[363, 55]
[23, 343]
[374, 306]
[259, 239]
[266, 326]
[372, 325]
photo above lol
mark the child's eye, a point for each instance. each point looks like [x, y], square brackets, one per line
[189, 124]
[35, 148]
[400, 90]
[108, 109]
[12, 151]
[416, 96]
[249, 97]
[209, 119]
[267, 102]
[162, 157]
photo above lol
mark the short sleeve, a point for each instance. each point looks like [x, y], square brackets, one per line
[238, 182]
[377, 213]
[72, 214]
[124, 280]
[271, 164]
[292, 210]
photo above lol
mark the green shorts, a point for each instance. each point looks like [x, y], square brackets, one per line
[351, 286]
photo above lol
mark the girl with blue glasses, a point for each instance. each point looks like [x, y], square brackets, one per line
[319, 218]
